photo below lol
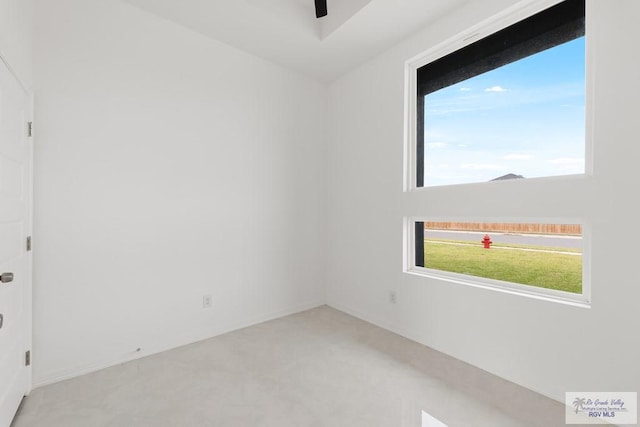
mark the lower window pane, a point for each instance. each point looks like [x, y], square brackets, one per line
[542, 255]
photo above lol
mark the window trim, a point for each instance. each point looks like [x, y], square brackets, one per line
[569, 298]
[506, 18]
[416, 196]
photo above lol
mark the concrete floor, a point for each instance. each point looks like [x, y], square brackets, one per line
[316, 368]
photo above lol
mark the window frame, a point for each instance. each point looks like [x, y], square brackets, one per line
[580, 300]
[418, 196]
[414, 115]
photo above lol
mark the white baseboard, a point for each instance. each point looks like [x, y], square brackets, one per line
[69, 373]
[406, 334]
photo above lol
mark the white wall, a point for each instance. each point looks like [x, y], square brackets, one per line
[158, 147]
[168, 166]
[16, 38]
[545, 346]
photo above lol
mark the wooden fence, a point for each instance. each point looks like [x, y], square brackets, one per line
[570, 229]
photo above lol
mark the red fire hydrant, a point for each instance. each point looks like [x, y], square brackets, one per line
[486, 241]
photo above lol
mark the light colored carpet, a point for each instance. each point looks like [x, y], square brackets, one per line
[316, 368]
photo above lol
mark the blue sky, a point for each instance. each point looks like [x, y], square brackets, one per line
[526, 118]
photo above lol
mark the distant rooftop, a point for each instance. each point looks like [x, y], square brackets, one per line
[508, 176]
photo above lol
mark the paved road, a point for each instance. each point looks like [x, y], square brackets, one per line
[517, 239]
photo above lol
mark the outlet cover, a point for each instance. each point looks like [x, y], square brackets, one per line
[207, 301]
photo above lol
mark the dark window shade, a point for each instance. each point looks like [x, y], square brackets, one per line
[553, 26]
[419, 243]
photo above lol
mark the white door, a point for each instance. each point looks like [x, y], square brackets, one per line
[15, 295]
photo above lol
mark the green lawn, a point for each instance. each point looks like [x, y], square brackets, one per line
[508, 245]
[543, 269]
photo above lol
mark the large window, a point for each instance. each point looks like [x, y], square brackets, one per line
[502, 102]
[509, 106]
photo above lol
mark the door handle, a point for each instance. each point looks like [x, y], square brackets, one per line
[6, 277]
[1, 320]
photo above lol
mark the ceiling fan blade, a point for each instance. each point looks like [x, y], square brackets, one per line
[321, 8]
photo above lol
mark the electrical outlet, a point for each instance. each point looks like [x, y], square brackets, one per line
[392, 297]
[207, 301]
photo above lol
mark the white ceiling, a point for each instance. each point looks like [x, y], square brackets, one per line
[288, 33]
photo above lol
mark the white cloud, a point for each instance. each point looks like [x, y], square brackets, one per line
[481, 166]
[465, 89]
[436, 145]
[495, 89]
[567, 161]
[516, 156]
